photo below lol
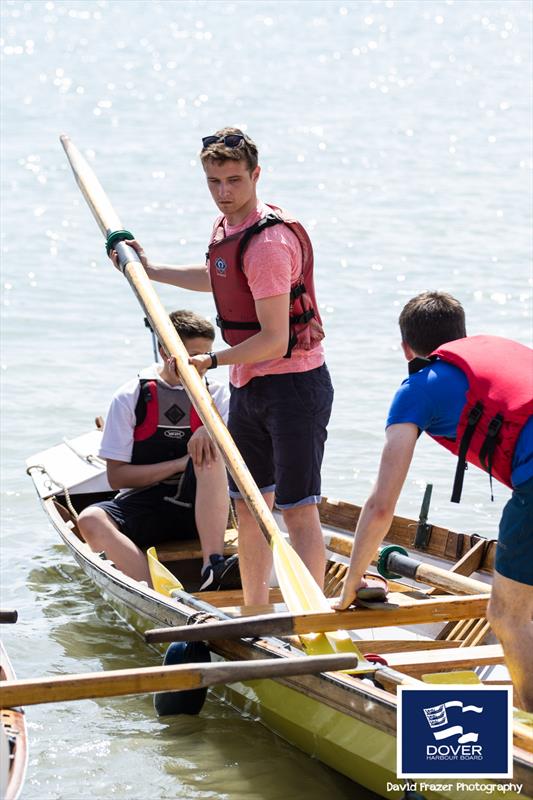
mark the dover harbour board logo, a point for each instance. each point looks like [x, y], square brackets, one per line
[221, 267]
[454, 732]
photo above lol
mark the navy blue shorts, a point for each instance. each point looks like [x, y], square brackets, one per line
[514, 551]
[279, 425]
[146, 517]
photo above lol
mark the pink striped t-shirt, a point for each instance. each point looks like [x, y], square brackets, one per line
[272, 262]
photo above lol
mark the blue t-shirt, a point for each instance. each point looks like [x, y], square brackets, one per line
[433, 399]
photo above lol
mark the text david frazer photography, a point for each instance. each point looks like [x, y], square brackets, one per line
[495, 789]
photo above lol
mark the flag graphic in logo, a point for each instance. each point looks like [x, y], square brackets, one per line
[437, 717]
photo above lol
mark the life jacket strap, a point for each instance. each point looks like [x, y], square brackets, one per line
[293, 340]
[486, 454]
[145, 397]
[297, 291]
[303, 318]
[225, 324]
[474, 416]
[260, 225]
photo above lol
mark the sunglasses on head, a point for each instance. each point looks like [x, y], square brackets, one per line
[230, 140]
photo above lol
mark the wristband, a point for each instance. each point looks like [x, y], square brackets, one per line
[214, 360]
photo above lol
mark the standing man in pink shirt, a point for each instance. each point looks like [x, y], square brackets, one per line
[260, 270]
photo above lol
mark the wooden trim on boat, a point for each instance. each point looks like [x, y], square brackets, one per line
[13, 722]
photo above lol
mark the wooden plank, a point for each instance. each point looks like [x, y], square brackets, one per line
[382, 646]
[470, 633]
[190, 548]
[233, 598]
[421, 661]
[444, 543]
[400, 610]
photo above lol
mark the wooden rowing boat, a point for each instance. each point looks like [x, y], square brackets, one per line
[13, 740]
[432, 627]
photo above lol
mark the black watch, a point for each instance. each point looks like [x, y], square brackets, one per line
[214, 360]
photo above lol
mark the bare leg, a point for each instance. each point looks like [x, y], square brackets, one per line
[101, 533]
[211, 507]
[255, 555]
[305, 530]
[510, 615]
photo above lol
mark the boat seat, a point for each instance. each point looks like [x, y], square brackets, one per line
[228, 599]
[191, 548]
[417, 663]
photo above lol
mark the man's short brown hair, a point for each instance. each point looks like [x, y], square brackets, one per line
[190, 325]
[219, 153]
[431, 319]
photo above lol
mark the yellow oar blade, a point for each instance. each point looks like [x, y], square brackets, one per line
[298, 587]
[302, 594]
[163, 580]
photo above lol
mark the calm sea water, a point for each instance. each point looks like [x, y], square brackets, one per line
[398, 132]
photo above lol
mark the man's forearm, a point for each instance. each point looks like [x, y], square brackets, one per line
[261, 347]
[137, 476]
[372, 527]
[188, 276]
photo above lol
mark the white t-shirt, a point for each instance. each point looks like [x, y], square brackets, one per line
[117, 439]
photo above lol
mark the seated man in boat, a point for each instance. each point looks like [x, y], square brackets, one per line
[172, 479]
[474, 395]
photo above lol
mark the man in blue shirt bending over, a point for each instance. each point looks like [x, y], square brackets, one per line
[474, 395]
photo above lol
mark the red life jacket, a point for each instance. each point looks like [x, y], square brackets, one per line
[163, 423]
[236, 315]
[498, 404]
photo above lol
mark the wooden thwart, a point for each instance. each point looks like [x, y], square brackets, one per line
[419, 662]
[401, 612]
[160, 679]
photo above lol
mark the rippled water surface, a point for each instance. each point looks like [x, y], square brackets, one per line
[398, 132]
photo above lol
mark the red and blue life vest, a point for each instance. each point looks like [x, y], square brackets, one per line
[498, 404]
[236, 315]
[162, 423]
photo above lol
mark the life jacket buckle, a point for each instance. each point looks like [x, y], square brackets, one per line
[475, 414]
[297, 291]
[494, 426]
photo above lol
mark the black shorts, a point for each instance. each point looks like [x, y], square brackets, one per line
[279, 425]
[146, 517]
[514, 551]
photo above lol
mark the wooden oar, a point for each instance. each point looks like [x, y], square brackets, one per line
[392, 562]
[407, 612]
[157, 679]
[300, 590]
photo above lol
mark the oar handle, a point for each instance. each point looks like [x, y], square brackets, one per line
[394, 561]
[159, 679]
[249, 627]
[8, 615]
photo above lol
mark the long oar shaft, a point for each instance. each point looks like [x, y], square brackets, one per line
[108, 221]
[441, 609]
[160, 679]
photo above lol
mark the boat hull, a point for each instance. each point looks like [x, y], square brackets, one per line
[348, 724]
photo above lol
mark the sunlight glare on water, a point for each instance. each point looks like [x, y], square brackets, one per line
[398, 132]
